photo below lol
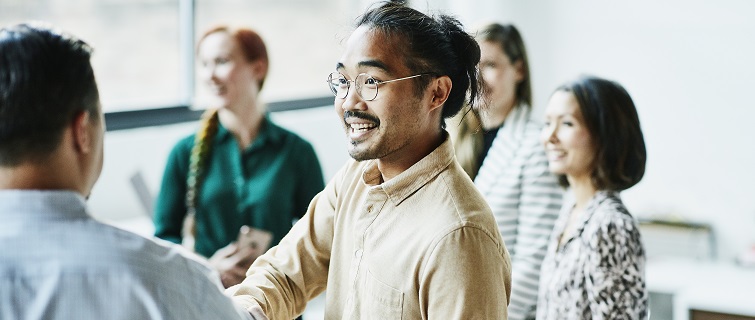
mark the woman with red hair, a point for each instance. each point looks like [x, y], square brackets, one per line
[240, 169]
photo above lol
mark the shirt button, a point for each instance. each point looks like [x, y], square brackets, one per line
[369, 209]
[358, 253]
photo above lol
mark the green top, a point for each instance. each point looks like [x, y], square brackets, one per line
[266, 186]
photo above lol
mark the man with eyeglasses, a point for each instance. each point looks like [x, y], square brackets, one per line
[400, 233]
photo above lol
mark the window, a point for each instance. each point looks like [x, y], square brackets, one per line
[141, 57]
[302, 36]
[136, 57]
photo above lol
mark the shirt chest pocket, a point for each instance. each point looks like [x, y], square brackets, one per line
[380, 301]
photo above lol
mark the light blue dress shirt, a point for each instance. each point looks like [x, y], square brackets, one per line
[56, 262]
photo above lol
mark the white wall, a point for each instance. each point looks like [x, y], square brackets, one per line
[689, 67]
[114, 199]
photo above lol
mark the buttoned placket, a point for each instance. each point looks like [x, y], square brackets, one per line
[241, 172]
[371, 207]
[237, 174]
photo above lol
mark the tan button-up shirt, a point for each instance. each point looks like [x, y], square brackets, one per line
[423, 245]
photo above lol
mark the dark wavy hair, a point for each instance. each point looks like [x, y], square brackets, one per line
[612, 121]
[438, 45]
[46, 79]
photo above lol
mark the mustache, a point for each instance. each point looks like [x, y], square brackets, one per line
[360, 115]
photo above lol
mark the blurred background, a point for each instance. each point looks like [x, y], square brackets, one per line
[687, 64]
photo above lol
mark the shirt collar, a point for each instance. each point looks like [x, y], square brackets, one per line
[36, 204]
[269, 133]
[598, 199]
[408, 182]
[592, 206]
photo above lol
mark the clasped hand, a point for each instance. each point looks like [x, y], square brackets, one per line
[232, 261]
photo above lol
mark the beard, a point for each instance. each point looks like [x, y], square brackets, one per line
[370, 149]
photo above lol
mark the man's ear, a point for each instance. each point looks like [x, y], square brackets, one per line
[80, 129]
[441, 88]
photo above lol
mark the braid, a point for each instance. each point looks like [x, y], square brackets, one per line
[200, 152]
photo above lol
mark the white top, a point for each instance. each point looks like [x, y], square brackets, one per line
[56, 262]
[525, 199]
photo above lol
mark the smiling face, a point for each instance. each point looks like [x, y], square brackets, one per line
[393, 126]
[231, 79]
[567, 141]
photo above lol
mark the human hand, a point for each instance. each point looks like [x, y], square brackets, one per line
[232, 262]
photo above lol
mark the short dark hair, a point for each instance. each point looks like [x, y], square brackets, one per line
[611, 118]
[46, 78]
[508, 38]
[438, 45]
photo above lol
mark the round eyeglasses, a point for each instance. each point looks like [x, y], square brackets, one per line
[366, 85]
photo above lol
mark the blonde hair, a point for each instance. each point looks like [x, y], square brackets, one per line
[200, 152]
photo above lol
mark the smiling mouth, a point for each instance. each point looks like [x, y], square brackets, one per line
[359, 132]
[218, 90]
[359, 124]
[361, 127]
[555, 154]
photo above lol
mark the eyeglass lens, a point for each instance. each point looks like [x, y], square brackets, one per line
[366, 86]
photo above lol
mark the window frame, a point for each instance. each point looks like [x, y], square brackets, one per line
[122, 120]
[149, 117]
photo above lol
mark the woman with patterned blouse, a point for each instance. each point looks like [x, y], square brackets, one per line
[595, 264]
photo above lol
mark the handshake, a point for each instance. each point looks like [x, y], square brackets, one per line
[233, 260]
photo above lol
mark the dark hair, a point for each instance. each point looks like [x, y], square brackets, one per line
[611, 119]
[252, 46]
[437, 45]
[508, 37]
[45, 80]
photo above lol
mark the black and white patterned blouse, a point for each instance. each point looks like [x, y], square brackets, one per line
[599, 273]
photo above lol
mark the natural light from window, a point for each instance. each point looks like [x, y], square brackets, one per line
[138, 58]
